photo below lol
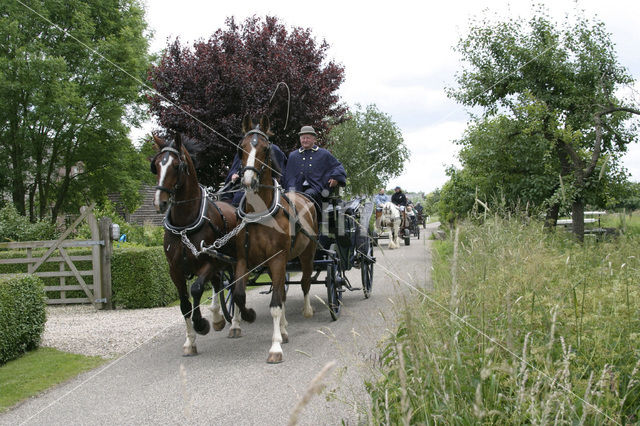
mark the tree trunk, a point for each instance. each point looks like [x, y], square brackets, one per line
[552, 216]
[577, 219]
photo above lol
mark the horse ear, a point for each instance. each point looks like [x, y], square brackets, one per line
[247, 124]
[158, 142]
[264, 124]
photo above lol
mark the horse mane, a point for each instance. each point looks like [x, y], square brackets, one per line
[193, 146]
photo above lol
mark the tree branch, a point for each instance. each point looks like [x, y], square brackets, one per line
[597, 145]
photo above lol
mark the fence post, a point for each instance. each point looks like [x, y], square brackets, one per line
[105, 261]
[96, 264]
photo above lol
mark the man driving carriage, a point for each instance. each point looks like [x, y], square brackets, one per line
[312, 170]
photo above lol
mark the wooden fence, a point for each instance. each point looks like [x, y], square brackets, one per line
[70, 278]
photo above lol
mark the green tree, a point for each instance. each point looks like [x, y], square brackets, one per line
[64, 108]
[572, 70]
[371, 148]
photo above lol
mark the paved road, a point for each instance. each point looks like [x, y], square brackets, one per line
[229, 382]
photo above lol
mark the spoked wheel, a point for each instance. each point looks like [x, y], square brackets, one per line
[366, 270]
[407, 237]
[226, 303]
[334, 295]
[418, 231]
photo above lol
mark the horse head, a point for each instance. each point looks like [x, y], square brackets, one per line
[173, 166]
[255, 152]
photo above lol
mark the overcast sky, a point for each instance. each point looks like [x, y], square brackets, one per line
[398, 55]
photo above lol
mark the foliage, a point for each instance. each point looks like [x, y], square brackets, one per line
[457, 196]
[235, 72]
[14, 227]
[39, 370]
[64, 108]
[22, 315]
[140, 278]
[370, 147]
[568, 74]
[538, 330]
[431, 201]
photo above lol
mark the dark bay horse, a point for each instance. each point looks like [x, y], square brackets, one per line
[279, 227]
[192, 220]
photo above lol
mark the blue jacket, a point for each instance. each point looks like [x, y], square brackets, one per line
[381, 199]
[315, 166]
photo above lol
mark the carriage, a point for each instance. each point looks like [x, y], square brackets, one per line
[271, 231]
[345, 242]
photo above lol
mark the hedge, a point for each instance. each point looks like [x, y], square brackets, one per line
[140, 278]
[22, 315]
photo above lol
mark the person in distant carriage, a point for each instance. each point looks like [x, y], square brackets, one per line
[399, 199]
[236, 167]
[379, 200]
[312, 170]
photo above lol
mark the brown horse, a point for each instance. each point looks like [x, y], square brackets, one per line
[192, 220]
[279, 227]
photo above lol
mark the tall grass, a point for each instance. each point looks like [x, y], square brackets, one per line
[546, 331]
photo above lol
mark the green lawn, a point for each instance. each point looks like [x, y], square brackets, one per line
[39, 370]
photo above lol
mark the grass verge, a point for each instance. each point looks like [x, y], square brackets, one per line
[37, 371]
[532, 328]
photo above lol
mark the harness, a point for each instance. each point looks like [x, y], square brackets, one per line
[184, 231]
[254, 143]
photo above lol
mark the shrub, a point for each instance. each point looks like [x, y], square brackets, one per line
[140, 278]
[14, 227]
[22, 315]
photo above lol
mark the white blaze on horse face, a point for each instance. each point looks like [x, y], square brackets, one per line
[251, 162]
[163, 174]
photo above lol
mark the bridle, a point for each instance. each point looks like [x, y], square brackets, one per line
[182, 169]
[254, 143]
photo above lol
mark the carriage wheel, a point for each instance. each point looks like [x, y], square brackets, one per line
[418, 231]
[407, 237]
[226, 303]
[334, 296]
[366, 271]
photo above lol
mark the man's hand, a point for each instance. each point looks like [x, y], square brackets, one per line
[332, 183]
[234, 177]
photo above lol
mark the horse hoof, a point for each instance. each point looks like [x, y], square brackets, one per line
[274, 358]
[307, 313]
[285, 338]
[217, 326]
[234, 333]
[248, 315]
[189, 351]
[202, 326]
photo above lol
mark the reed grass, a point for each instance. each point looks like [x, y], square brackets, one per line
[546, 330]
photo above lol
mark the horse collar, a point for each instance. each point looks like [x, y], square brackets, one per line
[195, 225]
[258, 217]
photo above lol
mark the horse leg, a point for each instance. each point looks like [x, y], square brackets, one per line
[200, 324]
[278, 297]
[306, 262]
[189, 347]
[218, 319]
[240, 299]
